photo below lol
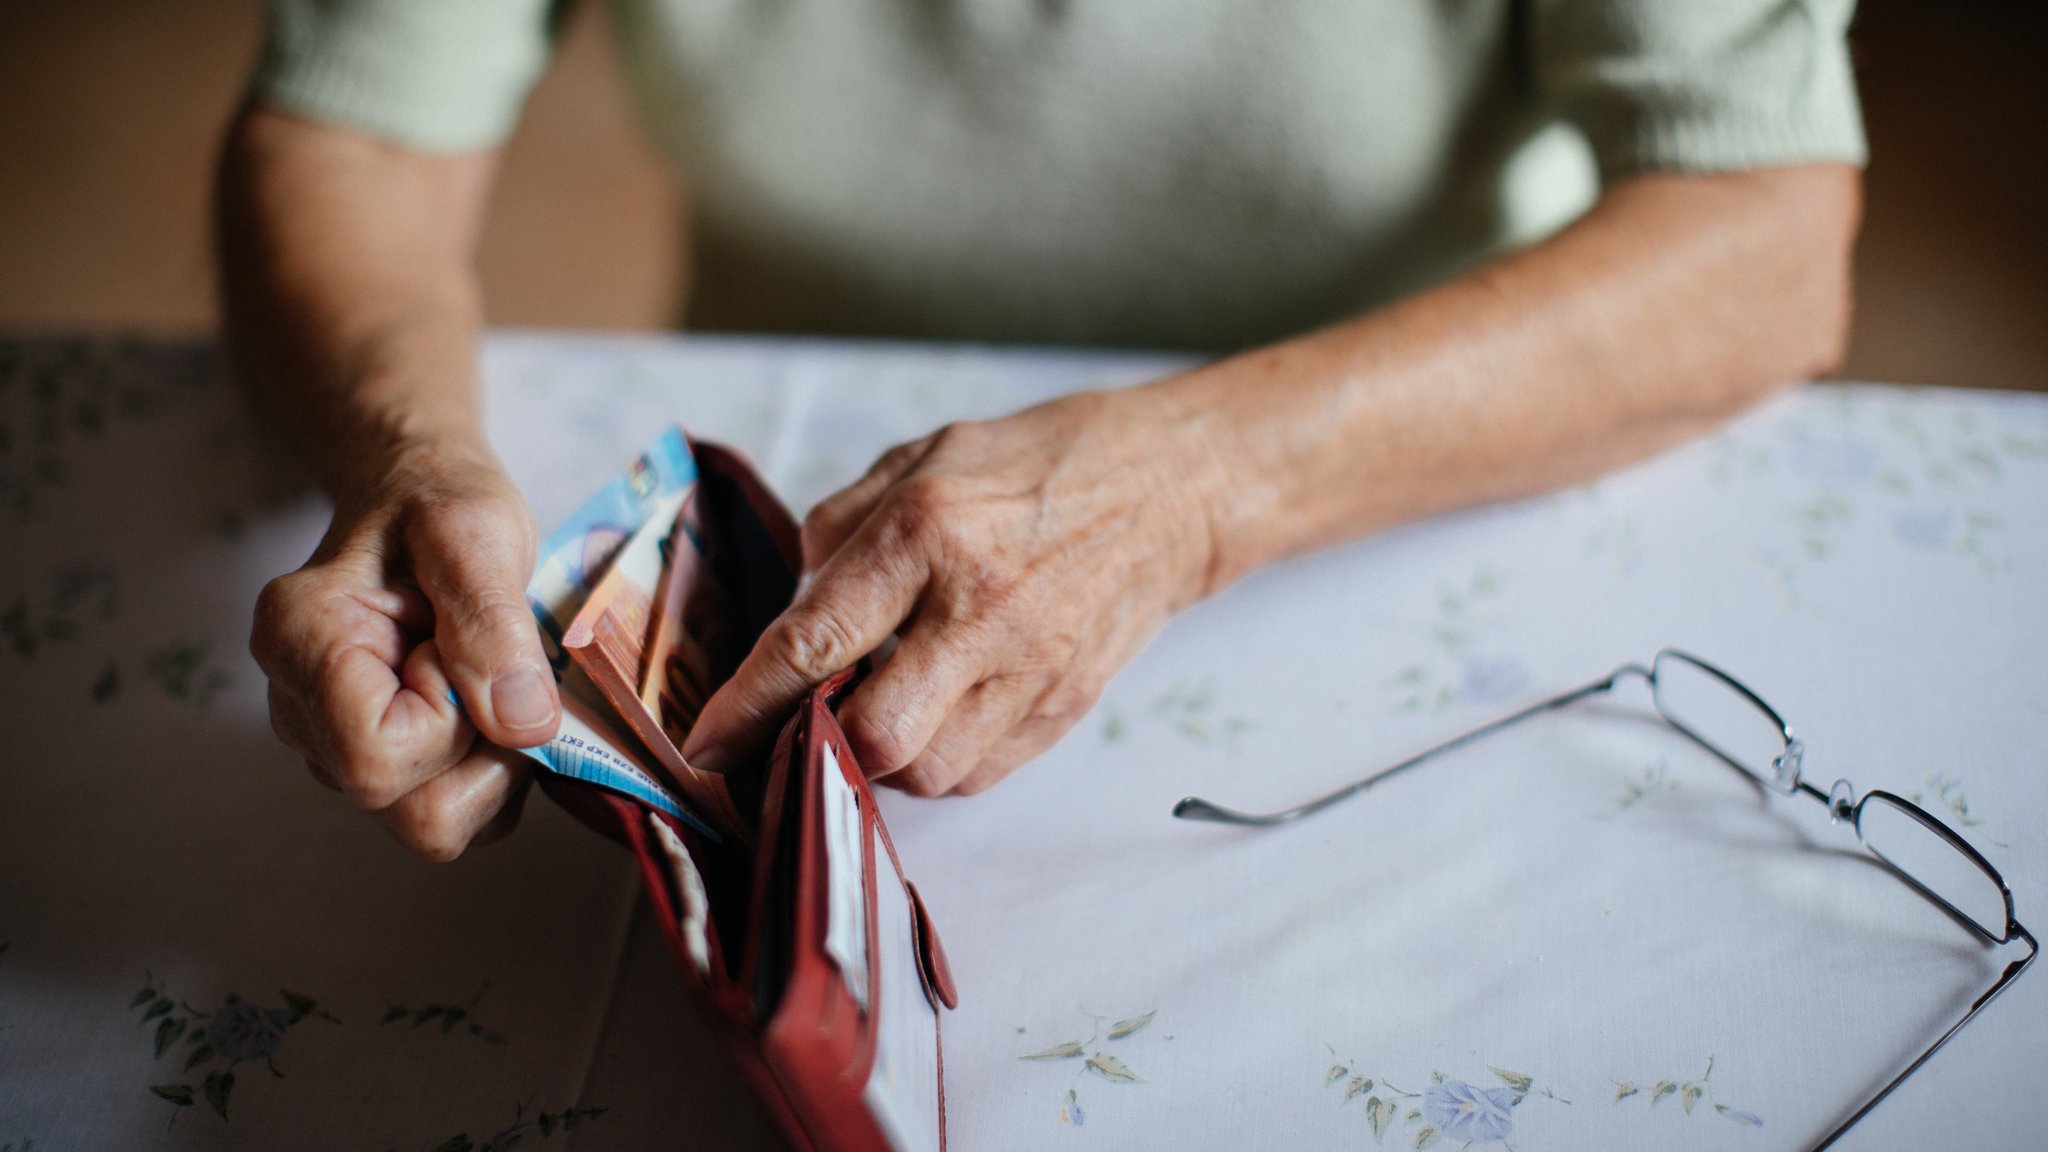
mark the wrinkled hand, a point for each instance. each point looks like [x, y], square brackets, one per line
[418, 589]
[1022, 560]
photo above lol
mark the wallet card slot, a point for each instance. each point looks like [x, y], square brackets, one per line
[772, 941]
[849, 877]
[681, 898]
[759, 554]
[903, 1080]
[724, 873]
[702, 959]
[748, 546]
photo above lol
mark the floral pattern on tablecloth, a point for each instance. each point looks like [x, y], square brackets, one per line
[1443, 1109]
[1928, 471]
[1099, 1060]
[217, 1042]
[1685, 1094]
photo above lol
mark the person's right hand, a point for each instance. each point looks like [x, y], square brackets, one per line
[414, 599]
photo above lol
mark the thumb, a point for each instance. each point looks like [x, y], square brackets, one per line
[472, 557]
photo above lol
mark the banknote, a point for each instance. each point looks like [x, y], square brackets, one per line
[699, 634]
[574, 555]
[591, 744]
[612, 636]
[590, 747]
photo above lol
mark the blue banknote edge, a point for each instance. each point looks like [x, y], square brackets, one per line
[574, 556]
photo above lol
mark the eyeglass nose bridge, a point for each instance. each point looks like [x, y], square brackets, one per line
[1842, 802]
[1788, 764]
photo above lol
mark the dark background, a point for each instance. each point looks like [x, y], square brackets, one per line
[110, 112]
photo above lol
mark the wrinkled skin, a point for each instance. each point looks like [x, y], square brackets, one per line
[1023, 560]
[416, 591]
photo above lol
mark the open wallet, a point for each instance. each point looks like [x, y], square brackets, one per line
[800, 939]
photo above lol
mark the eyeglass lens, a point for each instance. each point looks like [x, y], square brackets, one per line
[1720, 715]
[1925, 854]
[1724, 718]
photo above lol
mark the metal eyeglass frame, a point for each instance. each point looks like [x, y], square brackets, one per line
[1840, 802]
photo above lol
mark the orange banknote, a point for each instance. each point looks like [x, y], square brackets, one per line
[649, 663]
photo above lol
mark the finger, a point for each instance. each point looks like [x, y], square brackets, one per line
[440, 818]
[345, 692]
[507, 819]
[383, 735]
[1060, 703]
[983, 716]
[289, 720]
[892, 717]
[408, 608]
[472, 559]
[856, 602]
[325, 777]
[302, 616]
[1021, 745]
[838, 516]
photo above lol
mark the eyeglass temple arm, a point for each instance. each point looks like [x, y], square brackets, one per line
[1196, 808]
[2012, 972]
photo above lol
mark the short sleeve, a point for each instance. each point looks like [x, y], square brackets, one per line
[1700, 85]
[440, 75]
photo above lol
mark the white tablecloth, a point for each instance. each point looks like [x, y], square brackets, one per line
[1583, 930]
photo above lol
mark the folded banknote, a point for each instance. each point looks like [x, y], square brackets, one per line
[632, 639]
[593, 743]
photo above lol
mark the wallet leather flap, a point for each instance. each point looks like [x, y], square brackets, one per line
[931, 955]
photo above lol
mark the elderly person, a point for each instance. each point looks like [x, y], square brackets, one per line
[1334, 195]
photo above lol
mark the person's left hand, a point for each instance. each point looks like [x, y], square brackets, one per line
[1023, 560]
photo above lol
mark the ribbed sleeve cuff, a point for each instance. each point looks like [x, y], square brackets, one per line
[1724, 141]
[438, 75]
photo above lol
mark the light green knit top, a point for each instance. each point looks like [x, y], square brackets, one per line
[1170, 173]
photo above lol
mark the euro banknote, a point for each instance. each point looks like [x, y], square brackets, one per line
[630, 612]
[591, 745]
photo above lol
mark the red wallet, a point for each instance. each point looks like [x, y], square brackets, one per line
[807, 950]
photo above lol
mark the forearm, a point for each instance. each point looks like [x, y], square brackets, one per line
[353, 311]
[1676, 302]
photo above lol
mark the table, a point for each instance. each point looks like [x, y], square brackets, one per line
[1580, 913]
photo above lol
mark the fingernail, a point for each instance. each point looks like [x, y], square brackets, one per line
[520, 700]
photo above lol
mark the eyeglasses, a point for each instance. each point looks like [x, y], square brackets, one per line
[1721, 714]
